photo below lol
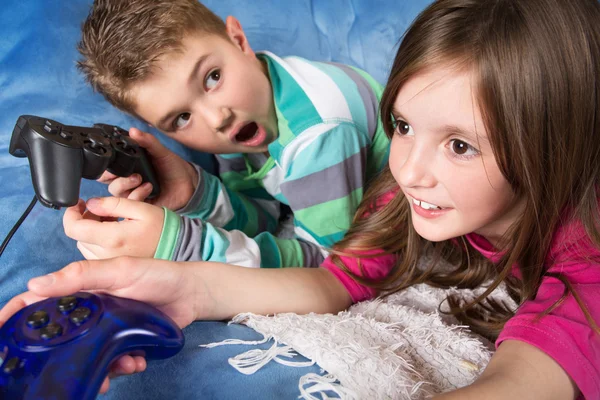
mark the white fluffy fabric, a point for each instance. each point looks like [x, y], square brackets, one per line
[399, 347]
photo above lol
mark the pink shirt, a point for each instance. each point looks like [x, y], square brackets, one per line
[564, 334]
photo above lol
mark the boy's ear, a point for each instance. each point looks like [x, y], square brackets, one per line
[236, 35]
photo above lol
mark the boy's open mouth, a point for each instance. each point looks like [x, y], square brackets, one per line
[247, 132]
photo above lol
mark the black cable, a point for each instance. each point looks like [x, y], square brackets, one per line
[19, 222]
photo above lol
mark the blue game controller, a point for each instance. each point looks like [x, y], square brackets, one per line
[62, 348]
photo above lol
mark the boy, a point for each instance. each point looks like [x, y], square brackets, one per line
[285, 131]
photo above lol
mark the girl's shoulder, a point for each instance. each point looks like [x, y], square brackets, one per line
[573, 250]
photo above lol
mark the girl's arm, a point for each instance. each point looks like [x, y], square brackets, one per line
[518, 371]
[188, 291]
[265, 291]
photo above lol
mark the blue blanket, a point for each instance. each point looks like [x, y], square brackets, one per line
[38, 76]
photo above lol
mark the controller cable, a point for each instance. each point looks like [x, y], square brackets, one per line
[19, 222]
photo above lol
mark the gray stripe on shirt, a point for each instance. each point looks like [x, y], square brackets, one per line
[332, 183]
[371, 104]
[194, 201]
[189, 242]
[236, 164]
[312, 254]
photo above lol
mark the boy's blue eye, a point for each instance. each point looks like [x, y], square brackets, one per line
[181, 120]
[212, 79]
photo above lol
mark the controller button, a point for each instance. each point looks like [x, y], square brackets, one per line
[66, 135]
[95, 147]
[80, 315]
[66, 304]
[11, 365]
[53, 130]
[51, 331]
[37, 319]
[127, 145]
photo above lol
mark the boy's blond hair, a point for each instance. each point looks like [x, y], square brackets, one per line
[122, 40]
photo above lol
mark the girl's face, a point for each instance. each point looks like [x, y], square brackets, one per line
[442, 159]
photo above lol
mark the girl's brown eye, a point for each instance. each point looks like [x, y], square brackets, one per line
[459, 147]
[402, 127]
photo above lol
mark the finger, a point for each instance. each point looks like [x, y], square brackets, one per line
[87, 230]
[85, 250]
[107, 177]
[154, 147]
[127, 365]
[93, 217]
[119, 207]
[104, 275]
[121, 187]
[124, 365]
[17, 303]
[105, 385]
[141, 192]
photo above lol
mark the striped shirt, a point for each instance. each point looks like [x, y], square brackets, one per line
[330, 142]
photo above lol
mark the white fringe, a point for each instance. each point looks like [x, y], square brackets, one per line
[321, 384]
[399, 347]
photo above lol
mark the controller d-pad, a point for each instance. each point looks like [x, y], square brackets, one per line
[80, 315]
[66, 304]
[11, 365]
[51, 331]
[37, 319]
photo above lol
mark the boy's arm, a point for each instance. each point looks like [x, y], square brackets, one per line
[241, 204]
[192, 239]
[518, 371]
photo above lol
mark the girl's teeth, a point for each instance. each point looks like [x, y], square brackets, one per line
[426, 206]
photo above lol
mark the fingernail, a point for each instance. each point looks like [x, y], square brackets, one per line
[42, 281]
[94, 201]
[135, 178]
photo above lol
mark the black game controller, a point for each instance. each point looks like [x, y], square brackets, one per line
[60, 155]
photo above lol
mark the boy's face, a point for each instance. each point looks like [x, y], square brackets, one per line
[214, 96]
[443, 161]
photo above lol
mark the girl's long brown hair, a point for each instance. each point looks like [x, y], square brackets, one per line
[537, 66]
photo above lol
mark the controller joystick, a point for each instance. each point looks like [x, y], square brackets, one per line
[61, 155]
[61, 348]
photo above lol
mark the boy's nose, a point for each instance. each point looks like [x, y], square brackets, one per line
[218, 118]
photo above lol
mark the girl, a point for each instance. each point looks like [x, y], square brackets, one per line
[493, 110]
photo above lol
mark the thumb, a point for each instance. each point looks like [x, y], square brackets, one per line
[154, 147]
[119, 207]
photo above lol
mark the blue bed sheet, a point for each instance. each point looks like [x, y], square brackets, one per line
[38, 76]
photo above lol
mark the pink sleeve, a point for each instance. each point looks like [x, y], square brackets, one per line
[376, 267]
[564, 334]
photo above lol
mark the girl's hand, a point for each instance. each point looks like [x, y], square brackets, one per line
[169, 286]
[177, 177]
[100, 234]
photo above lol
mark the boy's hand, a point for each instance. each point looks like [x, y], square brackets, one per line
[177, 177]
[166, 285]
[100, 234]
